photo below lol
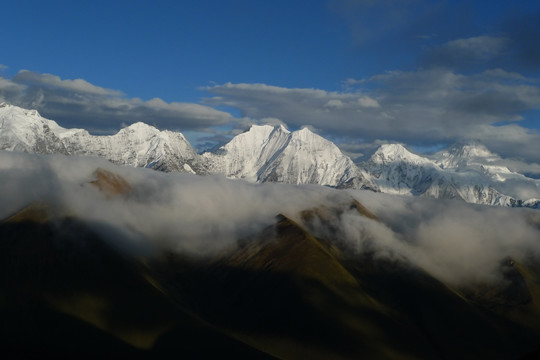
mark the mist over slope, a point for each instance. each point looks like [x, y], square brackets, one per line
[277, 269]
[205, 214]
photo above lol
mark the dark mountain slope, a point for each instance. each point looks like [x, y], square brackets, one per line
[67, 293]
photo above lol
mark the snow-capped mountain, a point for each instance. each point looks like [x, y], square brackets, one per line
[246, 154]
[267, 153]
[466, 171]
[138, 145]
[396, 170]
[26, 131]
[463, 155]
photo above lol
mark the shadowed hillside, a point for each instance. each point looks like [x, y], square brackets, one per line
[294, 290]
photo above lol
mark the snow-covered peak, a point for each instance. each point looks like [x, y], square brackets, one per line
[465, 154]
[273, 153]
[140, 126]
[315, 141]
[138, 130]
[26, 130]
[24, 120]
[248, 152]
[303, 132]
[255, 135]
[139, 144]
[6, 108]
[389, 153]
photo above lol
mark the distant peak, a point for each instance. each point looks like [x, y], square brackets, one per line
[465, 153]
[469, 143]
[140, 126]
[392, 151]
[265, 130]
[19, 110]
[396, 152]
[392, 148]
[470, 148]
[305, 132]
[259, 128]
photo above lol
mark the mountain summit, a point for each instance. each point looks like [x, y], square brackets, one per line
[464, 154]
[138, 145]
[268, 153]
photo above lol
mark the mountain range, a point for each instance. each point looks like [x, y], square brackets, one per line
[465, 171]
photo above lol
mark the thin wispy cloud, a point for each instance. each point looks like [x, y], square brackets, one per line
[464, 53]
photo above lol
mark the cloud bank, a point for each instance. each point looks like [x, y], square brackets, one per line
[78, 103]
[456, 242]
[179, 211]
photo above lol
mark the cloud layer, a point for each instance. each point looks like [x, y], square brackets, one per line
[456, 242]
[78, 103]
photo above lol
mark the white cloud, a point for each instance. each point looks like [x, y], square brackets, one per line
[366, 101]
[456, 242]
[179, 211]
[334, 103]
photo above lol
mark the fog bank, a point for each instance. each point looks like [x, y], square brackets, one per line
[454, 241]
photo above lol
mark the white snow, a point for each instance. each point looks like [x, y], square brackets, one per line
[267, 153]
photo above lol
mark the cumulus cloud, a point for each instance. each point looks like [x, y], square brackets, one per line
[78, 103]
[456, 242]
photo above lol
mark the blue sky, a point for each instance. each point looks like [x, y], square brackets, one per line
[360, 72]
